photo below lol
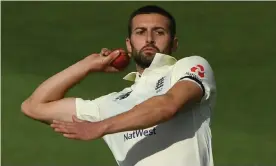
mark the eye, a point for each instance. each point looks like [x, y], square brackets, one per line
[160, 32]
[140, 32]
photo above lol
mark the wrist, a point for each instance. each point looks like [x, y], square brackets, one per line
[104, 127]
[91, 64]
[88, 65]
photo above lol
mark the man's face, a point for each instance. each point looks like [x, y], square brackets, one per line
[150, 35]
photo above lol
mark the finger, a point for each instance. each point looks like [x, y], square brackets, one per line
[71, 136]
[129, 54]
[65, 129]
[57, 126]
[61, 126]
[103, 51]
[57, 122]
[75, 119]
[107, 52]
[54, 125]
[111, 69]
[61, 130]
[112, 56]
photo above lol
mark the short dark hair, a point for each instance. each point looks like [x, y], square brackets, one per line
[153, 9]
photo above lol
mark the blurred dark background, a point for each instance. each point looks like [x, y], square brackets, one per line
[41, 38]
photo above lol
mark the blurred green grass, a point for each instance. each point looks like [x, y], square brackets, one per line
[42, 38]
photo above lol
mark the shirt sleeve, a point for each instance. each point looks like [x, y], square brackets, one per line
[92, 110]
[87, 110]
[198, 70]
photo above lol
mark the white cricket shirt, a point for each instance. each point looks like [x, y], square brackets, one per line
[185, 140]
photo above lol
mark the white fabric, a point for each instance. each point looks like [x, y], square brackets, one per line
[184, 140]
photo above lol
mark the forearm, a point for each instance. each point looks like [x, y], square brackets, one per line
[149, 113]
[56, 86]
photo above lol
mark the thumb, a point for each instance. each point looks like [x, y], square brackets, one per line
[75, 119]
[111, 69]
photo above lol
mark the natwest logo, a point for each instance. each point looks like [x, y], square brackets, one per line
[139, 133]
[199, 69]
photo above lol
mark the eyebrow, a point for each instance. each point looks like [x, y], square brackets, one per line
[154, 28]
[143, 28]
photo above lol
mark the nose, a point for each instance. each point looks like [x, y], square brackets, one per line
[150, 38]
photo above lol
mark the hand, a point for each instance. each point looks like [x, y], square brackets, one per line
[102, 61]
[78, 129]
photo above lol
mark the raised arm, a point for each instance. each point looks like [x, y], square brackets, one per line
[47, 102]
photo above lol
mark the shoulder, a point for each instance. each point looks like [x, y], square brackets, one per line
[198, 69]
[192, 60]
[192, 64]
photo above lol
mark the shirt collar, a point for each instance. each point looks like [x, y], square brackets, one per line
[159, 60]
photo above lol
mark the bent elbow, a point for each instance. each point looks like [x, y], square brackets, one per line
[31, 110]
[26, 108]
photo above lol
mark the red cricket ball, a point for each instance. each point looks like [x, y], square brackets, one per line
[122, 61]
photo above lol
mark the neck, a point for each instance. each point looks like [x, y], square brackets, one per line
[139, 69]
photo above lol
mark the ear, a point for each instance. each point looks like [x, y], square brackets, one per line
[175, 44]
[128, 45]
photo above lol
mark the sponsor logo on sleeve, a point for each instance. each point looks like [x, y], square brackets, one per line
[139, 133]
[199, 70]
